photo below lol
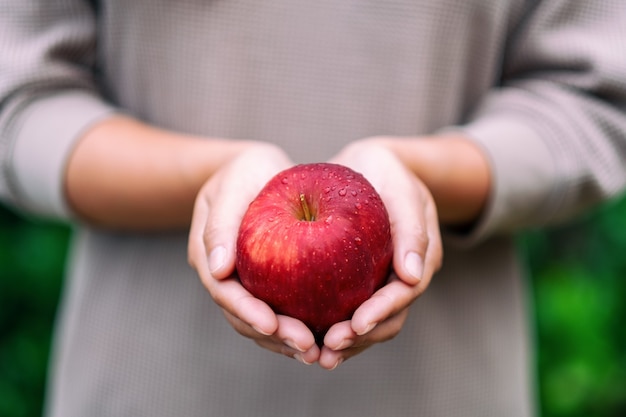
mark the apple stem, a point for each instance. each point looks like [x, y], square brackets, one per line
[305, 209]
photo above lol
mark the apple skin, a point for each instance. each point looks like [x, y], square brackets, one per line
[321, 269]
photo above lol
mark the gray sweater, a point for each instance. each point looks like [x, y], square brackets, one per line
[540, 85]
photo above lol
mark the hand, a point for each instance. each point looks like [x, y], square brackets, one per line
[218, 211]
[417, 252]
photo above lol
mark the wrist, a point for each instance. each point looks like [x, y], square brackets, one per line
[455, 170]
[126, 174]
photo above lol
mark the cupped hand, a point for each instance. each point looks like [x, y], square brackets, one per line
[218, 211]
[417, 251]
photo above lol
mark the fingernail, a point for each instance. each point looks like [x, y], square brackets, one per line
[367, 329]
[217, 258]
[259, 330]
[293, 345]
[414, 265]
[336, 364]
[300, 358]
[346, 343]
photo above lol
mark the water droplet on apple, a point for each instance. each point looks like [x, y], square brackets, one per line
[285, 180]
[358, 240]
[327, 190]
[353, 192]
[270, 219]
[342, 192]
[328, 219]
[358, 206]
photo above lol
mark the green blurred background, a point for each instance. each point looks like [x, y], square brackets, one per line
[576, 272]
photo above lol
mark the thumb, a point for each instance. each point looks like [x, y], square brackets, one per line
[220, 235]
[416, 238]
[410, 243]
[212, 237]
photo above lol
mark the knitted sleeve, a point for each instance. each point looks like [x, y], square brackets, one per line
[555, 128]
[47, 97]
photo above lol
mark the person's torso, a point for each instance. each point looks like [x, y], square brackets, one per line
[310, 76]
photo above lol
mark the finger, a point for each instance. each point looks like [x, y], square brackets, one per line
[295, 334]
[331, 357]
[340, 336]
[384, 331]
[385, 303]
[308, 358]
[221, 229]
[228, 294]
[409, 228]
[290, 331]
[433, 258]
[212, 237]
[236, 300]
[229, 196]
[405, 199]
[292, 338]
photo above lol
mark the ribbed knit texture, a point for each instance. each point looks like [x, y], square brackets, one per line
[537, 84]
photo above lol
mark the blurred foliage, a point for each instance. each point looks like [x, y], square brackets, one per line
[31, 269]
[577, 274]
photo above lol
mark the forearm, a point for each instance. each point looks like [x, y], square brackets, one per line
[124, 174]
[453, 168]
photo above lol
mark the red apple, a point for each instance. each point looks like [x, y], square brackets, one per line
[315, 244]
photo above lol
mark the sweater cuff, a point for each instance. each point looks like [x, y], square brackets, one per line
[522, 174]
[46, 133]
